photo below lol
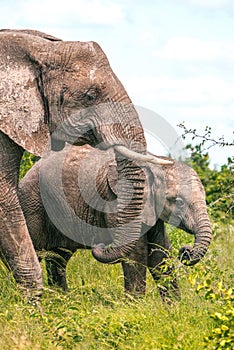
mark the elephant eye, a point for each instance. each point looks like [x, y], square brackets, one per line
[91, 96]
[62, 93]
[171, 200]
[179, 202]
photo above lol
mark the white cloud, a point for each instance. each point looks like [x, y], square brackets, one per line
[199, 101]
[193, 49]
[148, 38]
[70, 12]
[210, 113]
[212, 3]
[194, 90]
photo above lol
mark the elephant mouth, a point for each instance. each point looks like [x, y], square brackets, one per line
[80, 142]
[93, 138]
[185, 228]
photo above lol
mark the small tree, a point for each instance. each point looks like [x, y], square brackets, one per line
[218, 184]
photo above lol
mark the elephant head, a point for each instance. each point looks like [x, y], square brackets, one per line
[69, 86]
[68, 90]
[174, 194]
[177, 197]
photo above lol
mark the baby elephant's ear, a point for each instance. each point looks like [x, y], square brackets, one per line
[149, 216]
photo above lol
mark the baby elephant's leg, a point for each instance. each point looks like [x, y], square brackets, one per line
[159, 262]
[134, 268]
[56, 267]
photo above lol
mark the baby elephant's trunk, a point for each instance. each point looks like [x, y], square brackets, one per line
[191, 255]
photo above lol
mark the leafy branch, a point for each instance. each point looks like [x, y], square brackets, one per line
[206, 137]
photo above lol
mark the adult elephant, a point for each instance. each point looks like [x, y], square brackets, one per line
[73, 193]
[66, 90]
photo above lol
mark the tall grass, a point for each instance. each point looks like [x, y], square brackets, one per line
[95, 313]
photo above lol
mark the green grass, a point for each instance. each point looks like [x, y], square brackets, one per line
[95, 314]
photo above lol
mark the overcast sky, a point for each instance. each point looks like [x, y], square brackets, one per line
[175, 57]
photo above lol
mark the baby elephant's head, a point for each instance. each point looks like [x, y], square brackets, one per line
[180, 201]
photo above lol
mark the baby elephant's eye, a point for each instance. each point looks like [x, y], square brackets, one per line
[91, 96]
[179, 202]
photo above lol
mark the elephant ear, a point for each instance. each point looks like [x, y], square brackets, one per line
[23, 111]
[149, 214]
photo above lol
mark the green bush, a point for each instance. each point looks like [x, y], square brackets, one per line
[222, 333]
[212, 280]
[27, 162]
[218, 183]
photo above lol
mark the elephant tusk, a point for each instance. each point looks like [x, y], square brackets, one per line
[141, 157]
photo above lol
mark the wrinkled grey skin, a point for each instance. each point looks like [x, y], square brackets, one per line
[66, 90]
[173, 194]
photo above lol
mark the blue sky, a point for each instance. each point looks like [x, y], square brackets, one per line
[174, 57]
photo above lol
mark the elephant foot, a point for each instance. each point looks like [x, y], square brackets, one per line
[56, 275]
[169, 292]
[134, 269]
[164, 276]
[135, 291]
[134, 278]
[32, 296]
[56, 268]
[132, 297]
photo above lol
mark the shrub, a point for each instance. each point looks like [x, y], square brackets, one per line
[218, 184]
[27, 162]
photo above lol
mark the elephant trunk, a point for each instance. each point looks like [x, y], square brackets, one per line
[191, 255]
[130, 189]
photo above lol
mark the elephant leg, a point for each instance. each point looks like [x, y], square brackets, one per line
[134, 269]
[56, 268]
[159, 262]
[15, 242]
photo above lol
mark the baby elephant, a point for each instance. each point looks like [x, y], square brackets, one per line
[69, 202]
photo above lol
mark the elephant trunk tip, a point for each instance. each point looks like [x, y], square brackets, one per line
[105, 254]
[190, 256]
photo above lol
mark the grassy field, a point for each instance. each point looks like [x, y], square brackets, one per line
[95, 314]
